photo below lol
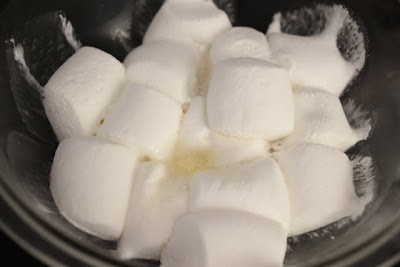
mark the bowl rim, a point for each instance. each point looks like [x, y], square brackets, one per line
[65, 243]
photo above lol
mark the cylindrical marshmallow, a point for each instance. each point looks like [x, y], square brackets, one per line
[144, 119]
[156, 202]
[225, 238]
[257, 187]
[320, 186]
[188, 21]
[78, 95]
[91, 182]
[240, 42]
[312, 61]
[320, 119]
[250, 98]
[166, 66]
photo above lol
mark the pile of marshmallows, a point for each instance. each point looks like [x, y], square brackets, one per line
[170, 152]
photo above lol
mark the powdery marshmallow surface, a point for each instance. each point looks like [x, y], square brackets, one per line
[196, 22]
[166, 66]
[312, 61]
[222, 150]
[78, 95]
[315, 60]
[240, 42]
[156, 203]
[85, 187]
[226, 151]
[225, 238]
[194, 132]
[320, 119]
[320, 186]
[257, 187]
[144, 119]
[250, 98]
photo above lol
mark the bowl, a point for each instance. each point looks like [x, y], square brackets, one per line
[27, 142]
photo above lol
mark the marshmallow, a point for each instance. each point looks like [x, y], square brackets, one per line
[187, 21]
[194, 132]
[227, 151]
[250, 98]
[312, 61]
[320, 119]
[224, 238]
[240, 42]
[77, 96]
[329, 21]
[204, 72]
[221, 150]
[257, 187]
[166, 66]
[155, 204]
[320, 186]
[144, 119]
[91, 181]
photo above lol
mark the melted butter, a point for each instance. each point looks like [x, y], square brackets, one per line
[185, 162]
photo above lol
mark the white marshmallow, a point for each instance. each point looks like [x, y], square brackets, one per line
[194, 132]
[91, 181]
[222, 238]
[168, 67]
[250, 98]
[320, 186]
[332, 22]
[77, 96]
[240, 42]
[222, 150]
[204, 72]
[257, 187]
[144, 119]
[156, 202]
[320, 119]
[188, 21]
[227, 151]
[312, 61]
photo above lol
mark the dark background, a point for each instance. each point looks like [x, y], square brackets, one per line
[11, 252]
